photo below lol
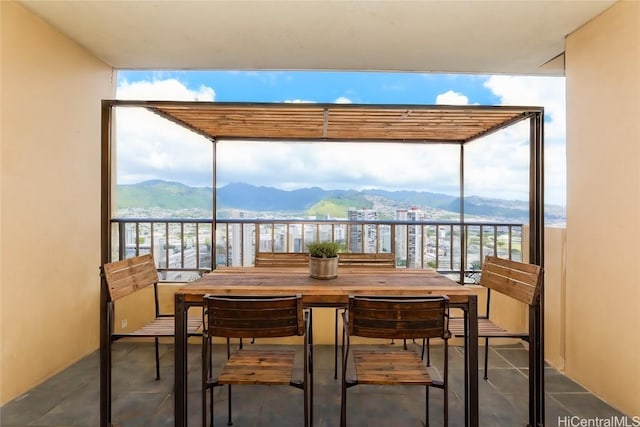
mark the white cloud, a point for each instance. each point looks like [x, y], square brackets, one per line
[342, 100]
[497, 166]
[339, 165]
[452, 98]
[150, 147]
[547, 92]
[163, 90]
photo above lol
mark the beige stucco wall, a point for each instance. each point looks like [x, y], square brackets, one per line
[554, 296]
[50, 191]
[603, 206]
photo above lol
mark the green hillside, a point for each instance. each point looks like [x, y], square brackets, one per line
[162, 194]
[338, 206]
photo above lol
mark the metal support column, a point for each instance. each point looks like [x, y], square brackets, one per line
[105, 250]
[536, 256]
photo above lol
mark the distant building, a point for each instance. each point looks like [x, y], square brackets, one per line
[241, 243]
[363, 237]
[409, 237]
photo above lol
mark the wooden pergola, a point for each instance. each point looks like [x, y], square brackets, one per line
[305, 122]
[402, 124]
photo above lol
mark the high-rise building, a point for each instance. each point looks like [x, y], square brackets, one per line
[363, 237]
[409, 237]
[241, 243]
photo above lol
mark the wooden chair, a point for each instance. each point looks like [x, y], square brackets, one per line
[514, 279]
[254, 316]
[125, 277]
[394, 318]
[358, 260]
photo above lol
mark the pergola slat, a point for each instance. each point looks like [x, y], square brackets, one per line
[339, 121]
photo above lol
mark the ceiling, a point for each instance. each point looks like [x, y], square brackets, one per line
[465, 36]
[336, 122]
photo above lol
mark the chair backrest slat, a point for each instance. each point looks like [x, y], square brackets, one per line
[129, 275]
[398, 317]
[253, 317]
[346, 259]
[512, 278]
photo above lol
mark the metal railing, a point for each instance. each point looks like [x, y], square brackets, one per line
[186, 248]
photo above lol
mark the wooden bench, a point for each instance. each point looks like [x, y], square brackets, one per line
[346, 259]
[514, 279]
[125, 277]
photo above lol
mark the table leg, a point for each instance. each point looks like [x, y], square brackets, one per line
[472, 397]
[311, 364]
[335, 346]
[536, 367]
[466, 365]
[180, 352]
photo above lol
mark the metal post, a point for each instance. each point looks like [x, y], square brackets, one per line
[214, 205]
[536, 256]
[180, 371]
[105, 250]
[462, 233]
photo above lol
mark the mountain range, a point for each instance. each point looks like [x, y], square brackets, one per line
[317, 201]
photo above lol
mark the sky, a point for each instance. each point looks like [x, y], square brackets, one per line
[149, 147]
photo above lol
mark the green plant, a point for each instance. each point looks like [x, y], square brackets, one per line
[324, 249]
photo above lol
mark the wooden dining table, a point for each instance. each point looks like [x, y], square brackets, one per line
[326, 293]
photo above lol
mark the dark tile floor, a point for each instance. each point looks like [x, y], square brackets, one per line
[71, 398]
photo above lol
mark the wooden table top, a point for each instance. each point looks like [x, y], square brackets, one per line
[350, 281]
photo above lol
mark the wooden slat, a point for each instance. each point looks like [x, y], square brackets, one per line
[281, 259]
[347, 259]
[367, 260]
[350, 281]
[340, 122]
[514, 279]
[486, 328]
[162, 327]
[397, 318]
[390, 367]
[240, 317]
[129, 275]
[259, 367]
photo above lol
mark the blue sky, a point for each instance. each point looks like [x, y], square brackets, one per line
[497, 166]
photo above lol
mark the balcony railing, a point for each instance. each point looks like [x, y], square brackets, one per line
[186, 248]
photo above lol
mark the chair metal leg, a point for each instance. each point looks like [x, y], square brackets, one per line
[426, 343]
[445, 383]
[335, 347]
[211, 406]
[157, 360]
[426, 406]
[486, 357]
[230, 421]
[343, 400]
[205, 375]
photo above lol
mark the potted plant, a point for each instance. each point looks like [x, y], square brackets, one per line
[323, 259]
